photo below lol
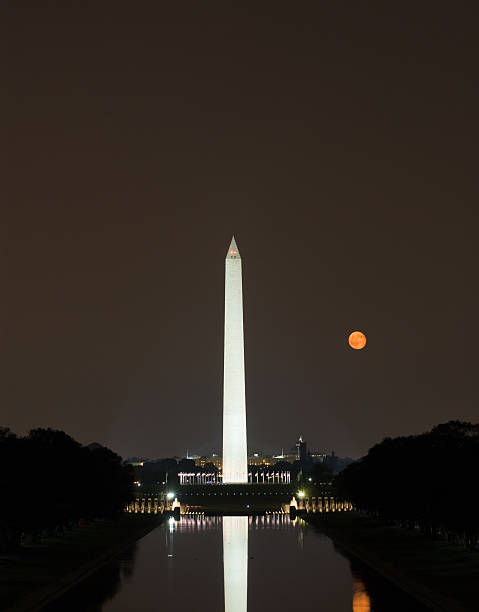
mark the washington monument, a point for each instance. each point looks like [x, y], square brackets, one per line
[235, 457]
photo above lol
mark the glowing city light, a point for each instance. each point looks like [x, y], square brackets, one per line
[170, 495]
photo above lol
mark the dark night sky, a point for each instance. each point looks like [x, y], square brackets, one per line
[337, 141]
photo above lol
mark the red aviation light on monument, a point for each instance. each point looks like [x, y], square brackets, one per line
[233, 251]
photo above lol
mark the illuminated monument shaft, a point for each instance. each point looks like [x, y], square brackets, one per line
[235, 458]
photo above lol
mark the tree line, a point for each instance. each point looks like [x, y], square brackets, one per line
[427, 481]
[49, 481]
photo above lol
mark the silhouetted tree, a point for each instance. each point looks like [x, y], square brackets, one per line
[319, 473]
[51, 481]
[428, 481]
[187, 465]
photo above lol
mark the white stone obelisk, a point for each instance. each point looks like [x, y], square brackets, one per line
[235, 457]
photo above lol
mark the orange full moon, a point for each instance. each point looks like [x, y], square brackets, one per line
[357, 340]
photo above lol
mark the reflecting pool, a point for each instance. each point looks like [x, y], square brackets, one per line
[235, 564]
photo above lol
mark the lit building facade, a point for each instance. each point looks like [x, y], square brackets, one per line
[214, 459]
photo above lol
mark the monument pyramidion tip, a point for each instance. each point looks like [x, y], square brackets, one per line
[233, 251]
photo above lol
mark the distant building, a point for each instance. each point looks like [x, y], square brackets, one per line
[136, 461]
[255, 459]
[301, 449]
[188, 456]
[289, 457]
[319, 457]
[299, 452]
[260, 459]
[214, 459]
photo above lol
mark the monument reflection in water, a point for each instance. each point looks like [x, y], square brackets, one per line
[235, 567]
[235, 563]
[198, 551]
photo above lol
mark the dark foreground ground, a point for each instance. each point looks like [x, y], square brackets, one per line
[441, 575]
[37, 573]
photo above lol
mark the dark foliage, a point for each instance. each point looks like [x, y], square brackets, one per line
[427, 481]
[49, 481]
[317, 473]
[337, 464]
[158, 472]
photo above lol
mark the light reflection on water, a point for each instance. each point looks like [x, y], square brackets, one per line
[235, 564]
[361, 599]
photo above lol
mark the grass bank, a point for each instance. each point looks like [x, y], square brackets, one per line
[38, 573]
[443, 576]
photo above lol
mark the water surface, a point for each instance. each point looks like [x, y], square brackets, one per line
[235, 564]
